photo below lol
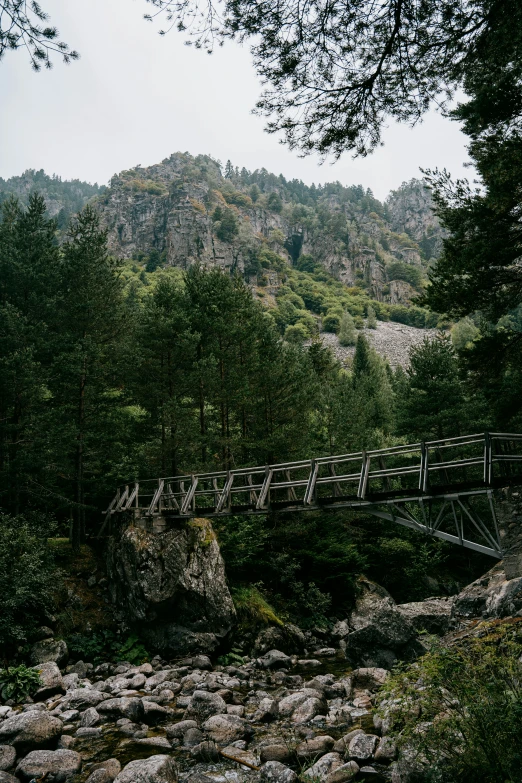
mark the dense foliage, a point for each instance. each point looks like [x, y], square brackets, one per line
[457, 713]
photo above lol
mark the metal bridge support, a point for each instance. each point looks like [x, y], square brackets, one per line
[508, 506]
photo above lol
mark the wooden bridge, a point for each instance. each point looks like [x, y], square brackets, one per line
[442, 488]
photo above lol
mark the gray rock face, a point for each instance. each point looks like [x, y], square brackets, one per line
[491, 596]
[49, 650]
[50, 679]
[173, 584]
[7, 757]
[275, 772]
[381, 633]
[29, 730]
[156, 769]
[432, 615]
[61, 764]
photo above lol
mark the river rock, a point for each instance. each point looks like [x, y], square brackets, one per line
[224, 729]
[315, 747]
[281, 753]
[82, 698]
[275, 772]
[156, 769]
[29, 730]
[49, 650]
[204, 704]
[59, 763]
[7, 757]
[174, 585]
[5, 777]
[50, 679]
[275, 659]
[344, 773]
[323, 767]
[362, 747]
[104, 771]
[131, 708]
[288, 638]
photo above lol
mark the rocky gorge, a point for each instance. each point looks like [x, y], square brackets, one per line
[300, 705]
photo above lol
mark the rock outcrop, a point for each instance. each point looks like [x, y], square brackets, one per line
[173, 586]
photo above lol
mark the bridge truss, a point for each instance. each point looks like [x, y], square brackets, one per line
[439, 488]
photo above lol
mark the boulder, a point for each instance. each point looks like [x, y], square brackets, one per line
[323, 767]
[281, 753]
[49, 650]
[362, 747]
[275, 659]
[60, 764]
[225, 729]
[131, 708]
[51, 681]
[29, 730]
[205, 751]
[314, 747]
[275, 772]
[308, 710]
[177, 730]
[82, 698]
[288, 638]
[154, 713]
[7, 757]
[344, 773]
[381, 634]
[290, 703]
[5, 777]
[386, 750]
[432, 615]
[371, 678]
[173, 585]
[204, 704]
[156, 769]
[111, 767]
[90, 717]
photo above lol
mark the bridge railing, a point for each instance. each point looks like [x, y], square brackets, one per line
[468, 461]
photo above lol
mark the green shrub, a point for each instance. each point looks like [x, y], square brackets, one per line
[252, 608]
[347, 333]
[105, 645]
[458, 710]
[297, 333]
[27, 577]
[331, 322]
[398, 270]
[371, 321]
[17, 682]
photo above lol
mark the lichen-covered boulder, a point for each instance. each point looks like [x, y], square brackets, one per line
[173, 585]
[381, 634]
[51, 681]
[60, 764]
[493, 595]
[156, 769]
[49, 650]
[432, 615]
[30, 730]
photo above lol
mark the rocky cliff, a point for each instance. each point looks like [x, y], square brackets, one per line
[183, 210]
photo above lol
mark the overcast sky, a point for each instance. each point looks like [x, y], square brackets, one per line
[135, 97]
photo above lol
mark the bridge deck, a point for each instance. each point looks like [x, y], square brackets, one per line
[428, 486]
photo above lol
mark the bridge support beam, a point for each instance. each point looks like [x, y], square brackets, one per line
[508, 506]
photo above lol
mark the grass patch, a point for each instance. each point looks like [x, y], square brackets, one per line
[252, 608]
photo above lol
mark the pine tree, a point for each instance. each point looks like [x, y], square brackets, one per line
[229, 170]
[347, 331]
[371, 321]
